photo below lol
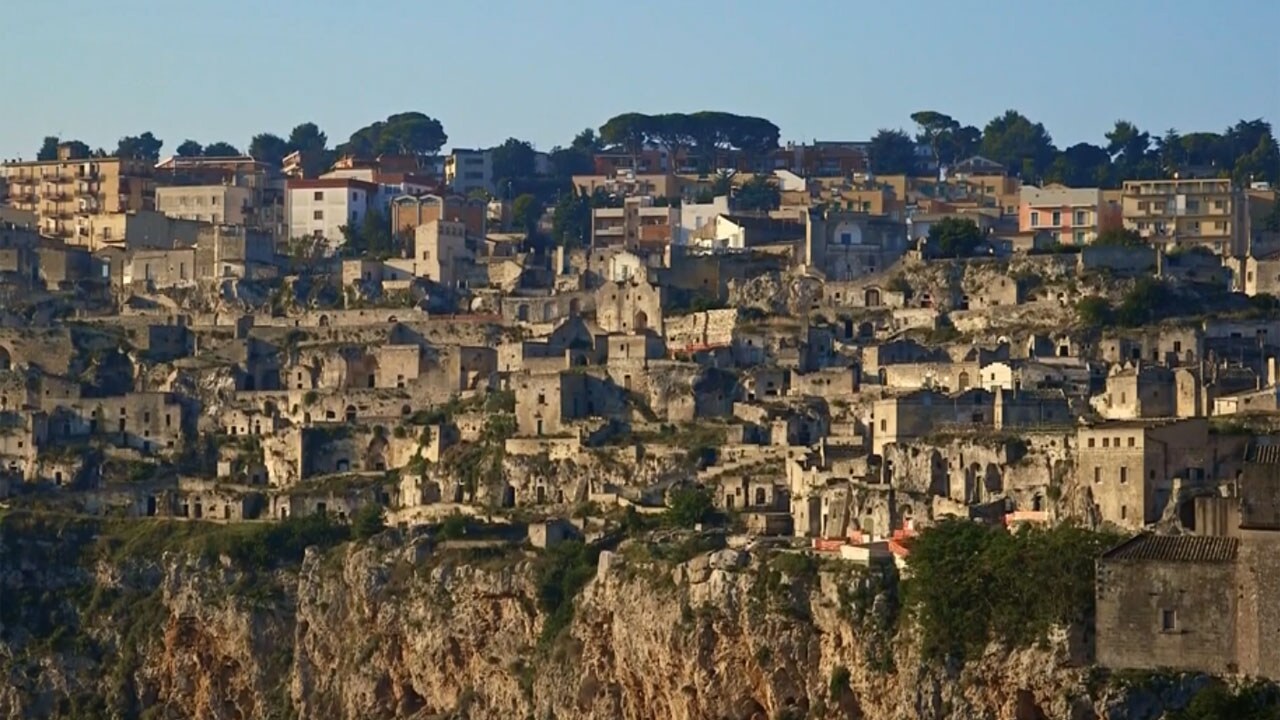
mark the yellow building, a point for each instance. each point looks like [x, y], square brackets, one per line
[65, 194]
[1206, 213]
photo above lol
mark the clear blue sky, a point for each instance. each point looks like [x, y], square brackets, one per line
[543, 69]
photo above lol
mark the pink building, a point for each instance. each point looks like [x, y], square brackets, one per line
[1074, 216]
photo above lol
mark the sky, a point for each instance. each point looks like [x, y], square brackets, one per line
[541, 70]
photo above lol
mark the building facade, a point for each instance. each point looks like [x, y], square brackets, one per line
[1072, 216]
[468, 170]
[218, 204]
[1206, 213]
[321, 208]
[65, 194]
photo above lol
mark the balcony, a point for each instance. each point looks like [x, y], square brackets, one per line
[85, 189]
[57, 176]
[58, 195]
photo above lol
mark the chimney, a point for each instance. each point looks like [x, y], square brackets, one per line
[1271, 371]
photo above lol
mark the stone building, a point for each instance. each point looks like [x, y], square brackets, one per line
[1206, 603]
[846, 245]
[1133, 469]
[1137, 390]
[632, 306]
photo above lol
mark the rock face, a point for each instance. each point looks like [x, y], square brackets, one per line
[395, 628]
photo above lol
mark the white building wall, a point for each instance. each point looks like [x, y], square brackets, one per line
[324, 211]
[695, 215]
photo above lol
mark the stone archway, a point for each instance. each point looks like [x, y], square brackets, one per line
[6, 359]
[992, 483]
[640, 322]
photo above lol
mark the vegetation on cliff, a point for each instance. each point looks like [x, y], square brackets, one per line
[971, 584]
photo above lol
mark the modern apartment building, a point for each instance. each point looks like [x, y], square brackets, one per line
[66, 193]
[219, 204]
[1207, 213]
[637, 223]
[321, 208]
[1072, 216]
[467, 170]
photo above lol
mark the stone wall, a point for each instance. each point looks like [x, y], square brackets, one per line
[709, 327]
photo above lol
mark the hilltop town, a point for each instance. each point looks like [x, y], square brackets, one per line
[826, 347]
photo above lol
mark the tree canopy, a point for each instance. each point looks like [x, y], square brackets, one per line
[221, 149]
[268, 148]
[892, 152]
[190, 148]
[760, 193]
[954, 237]
[407, 133]
[141, 147]
[1023, 147]
[703, 133]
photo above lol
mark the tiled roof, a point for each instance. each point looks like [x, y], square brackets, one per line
[1264, 454]
[1176, 548]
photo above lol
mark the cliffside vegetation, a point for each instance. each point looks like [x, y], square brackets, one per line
[971, 584]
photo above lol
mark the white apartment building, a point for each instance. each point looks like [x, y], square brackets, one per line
[218, 204]
[321, 208]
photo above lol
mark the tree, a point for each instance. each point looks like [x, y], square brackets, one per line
[268, 148]
[629, 131]
[687, 507]
[1255, 155]
[1081, 165]
[1095, 312]
[960, 144]
[934, 127]
[674, 131]
[141, 147]
[526, 211]
[368, 521]
[954, 237]
[407, 133]
[1023, 147]
[221, 149]
[759, 193]
[1119, 237]
[571, 220]
[892, 153]
[372, 238]
[48, 149]
[1271, 221]
[756, 137]
[567, 162]
[313, 144]
[1130, 149]
[190, 148]
[587, 141]
[514, 163]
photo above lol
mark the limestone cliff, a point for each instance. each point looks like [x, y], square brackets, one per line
[399, 628]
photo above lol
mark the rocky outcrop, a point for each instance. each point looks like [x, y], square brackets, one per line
[397, 628]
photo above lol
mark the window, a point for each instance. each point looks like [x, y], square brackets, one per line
[318, 196]
[1219, 225]
[214, 201]
[1217, 205]
[846, 238]
[1091, 442]
[1078, 237]
[1193, 206]
[1081, 217]
[1106, 442]
[1143, 205]
[1097, 474]
[1057, 218]
[1169, 620]
[317, 215]
[1124, 475]
[884, 425]
[1035, 219]
[1124, 512]
[1132, 441]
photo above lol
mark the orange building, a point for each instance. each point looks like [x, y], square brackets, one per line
[410, 211]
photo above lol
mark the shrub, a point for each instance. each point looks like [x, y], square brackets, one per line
[839, 681]
[689, 506]
[368, 521]
[561, 573]
[971, 584]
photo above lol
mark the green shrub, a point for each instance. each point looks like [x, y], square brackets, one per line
[689, 506]
[561, 573]
[971, 584]
[368, 521]
[839, 681]
[1255, 701]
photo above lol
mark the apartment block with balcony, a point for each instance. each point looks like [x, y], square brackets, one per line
[1186, 213]
[1072, 216]
[64, 192]
[638, 223]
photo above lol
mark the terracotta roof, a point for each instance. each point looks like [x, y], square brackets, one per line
[1264, 454]
[1176, 548]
